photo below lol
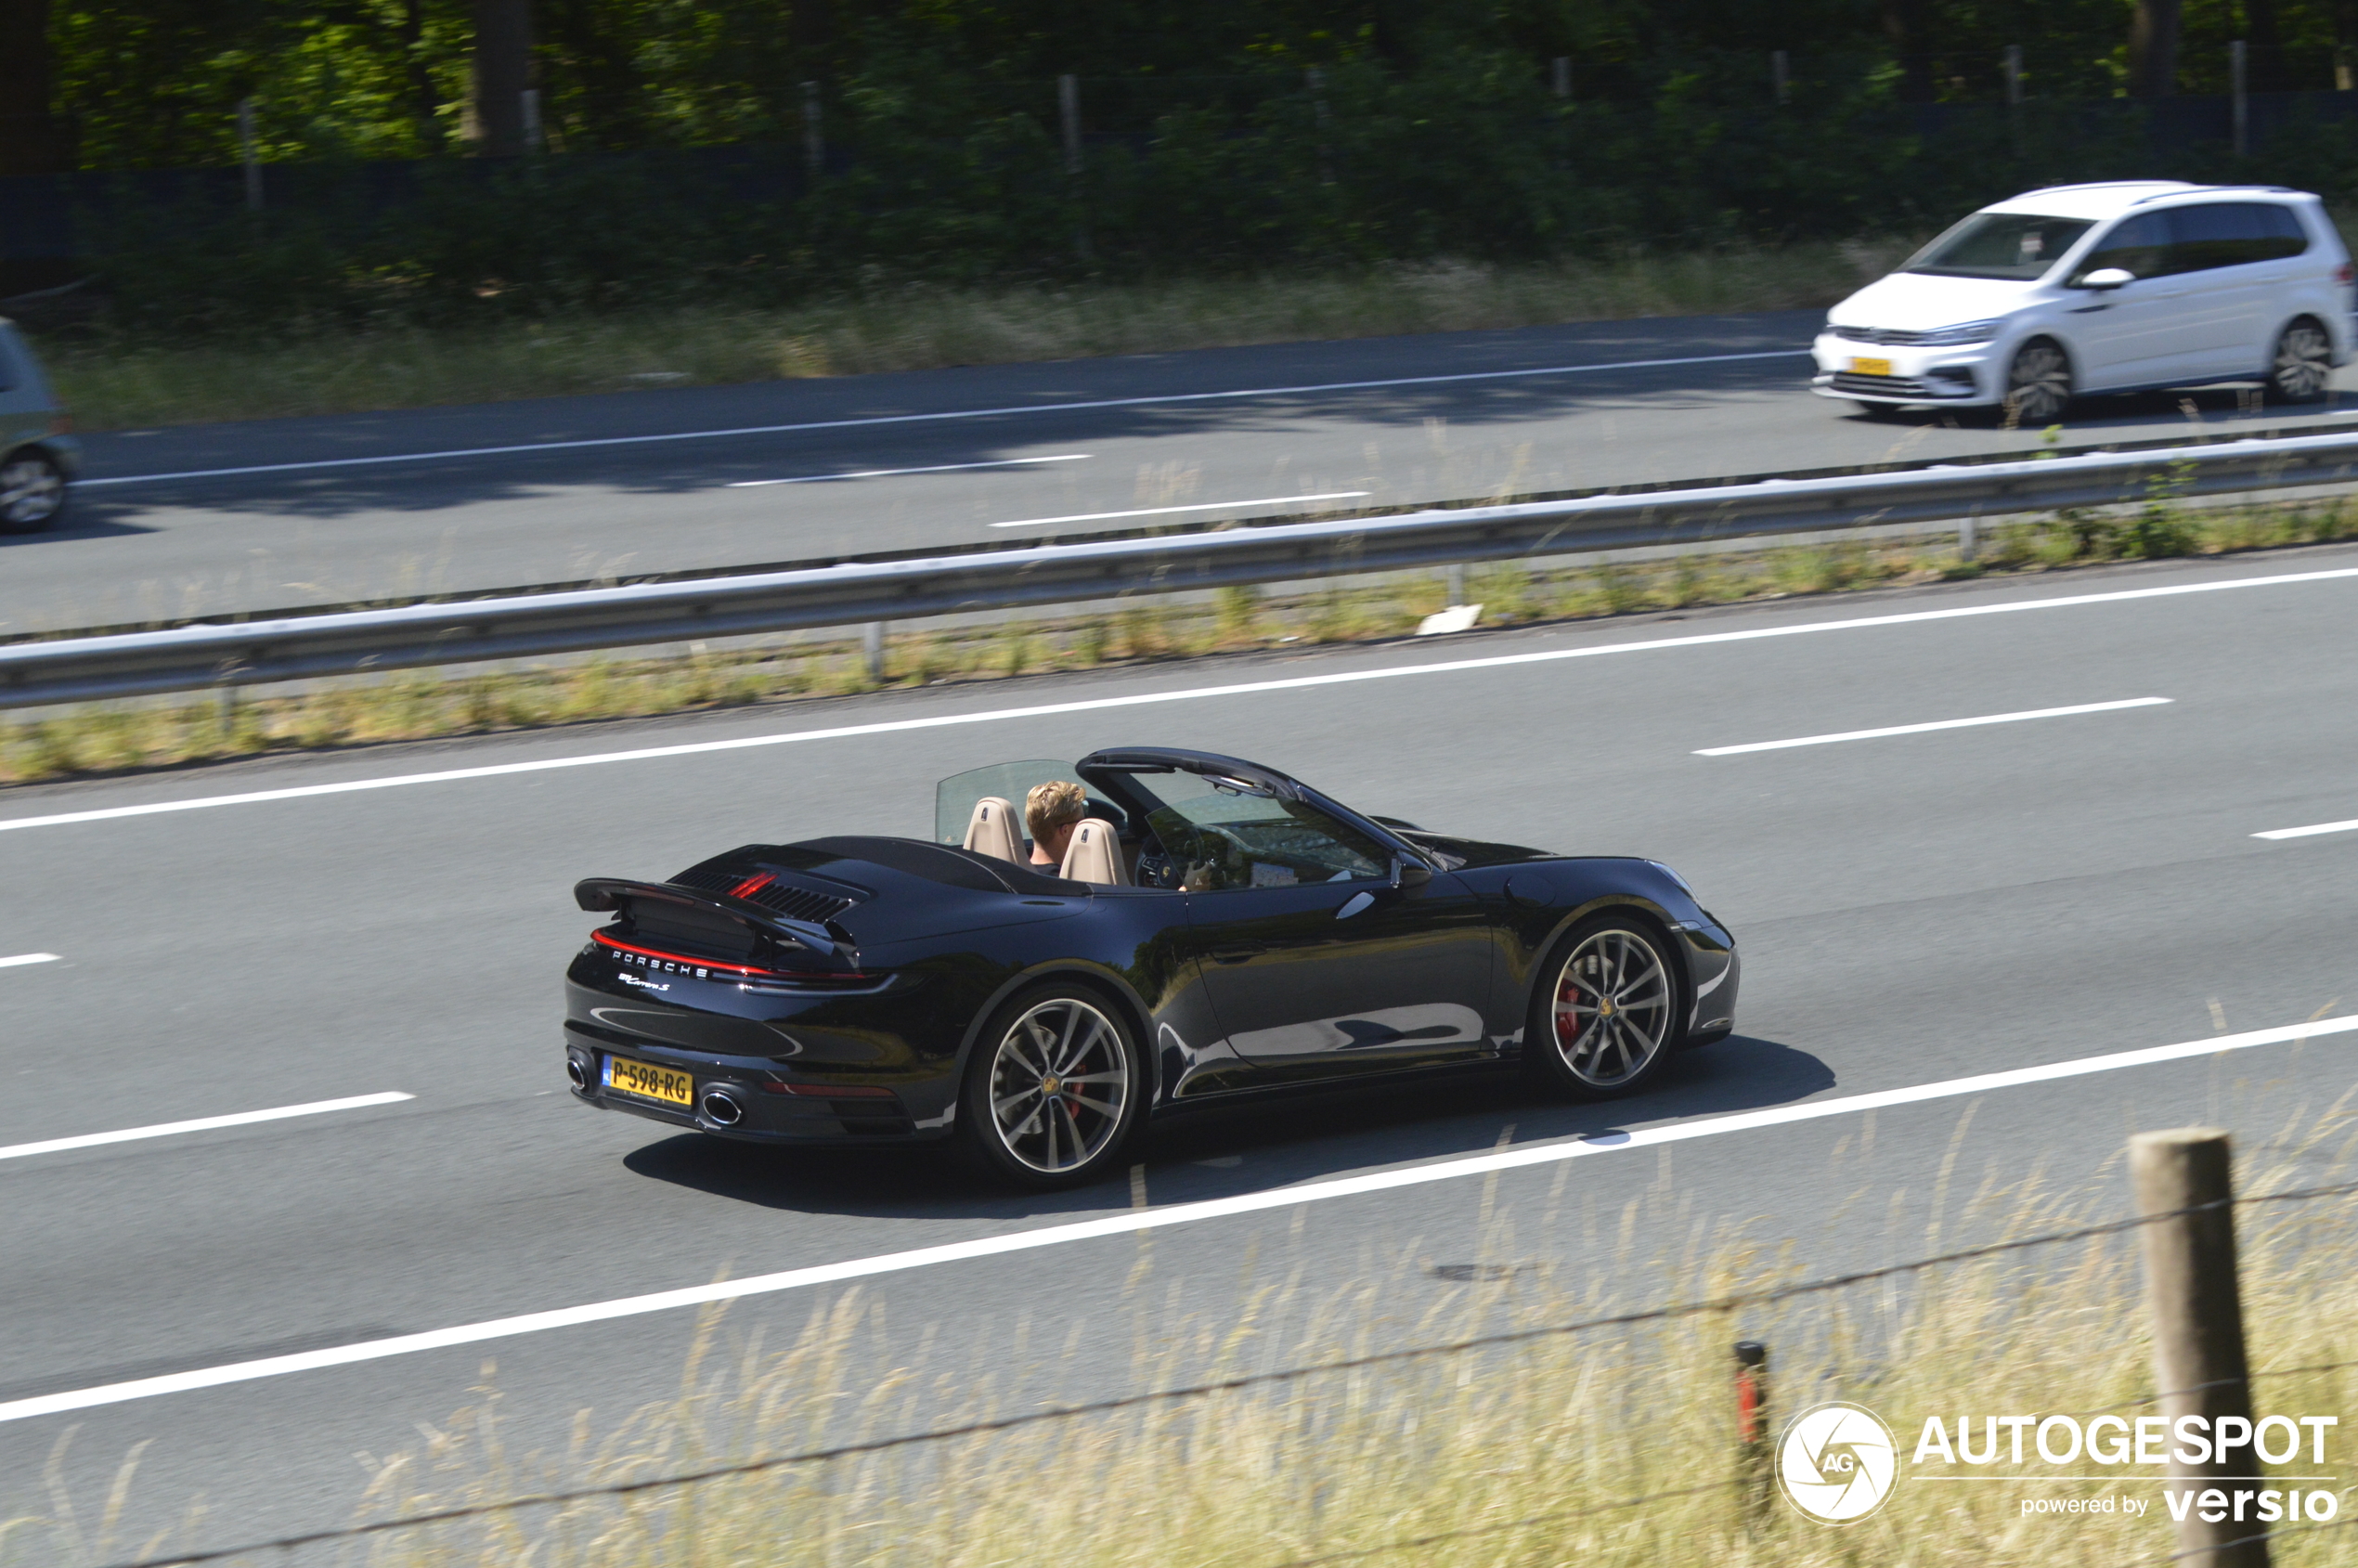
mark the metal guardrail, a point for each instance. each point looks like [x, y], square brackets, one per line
[300, 646]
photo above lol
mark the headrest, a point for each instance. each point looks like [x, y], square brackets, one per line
[991, 830]
[1094, 855]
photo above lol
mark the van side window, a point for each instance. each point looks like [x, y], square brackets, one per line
[2139, 246]
[2217, 234]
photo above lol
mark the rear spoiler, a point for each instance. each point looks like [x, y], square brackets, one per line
[602, 894]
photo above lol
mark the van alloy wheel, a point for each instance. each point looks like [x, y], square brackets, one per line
[2038, 383]
[32, 492]
[2304, 364]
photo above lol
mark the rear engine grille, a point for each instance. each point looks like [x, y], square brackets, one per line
[767, 889]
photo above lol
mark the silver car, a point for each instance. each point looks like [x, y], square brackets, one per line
[38, 453]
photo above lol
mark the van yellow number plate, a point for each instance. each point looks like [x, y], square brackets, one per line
[650, 1082]
[1871, 366]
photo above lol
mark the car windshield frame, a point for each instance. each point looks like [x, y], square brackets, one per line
[2053, 254]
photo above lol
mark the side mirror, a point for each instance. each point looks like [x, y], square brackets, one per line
[2107, 278]
[1407, 872]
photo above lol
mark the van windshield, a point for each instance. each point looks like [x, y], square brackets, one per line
[2021, 246]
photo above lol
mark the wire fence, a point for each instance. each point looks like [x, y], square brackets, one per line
[1720, 1304]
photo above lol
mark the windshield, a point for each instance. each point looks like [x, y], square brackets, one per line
[2021, 246]
[1228, 832]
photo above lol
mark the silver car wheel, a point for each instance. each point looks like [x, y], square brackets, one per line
[1613, 1008]
[2304, 363]
[31, 492]
[2038, 383]
[1060, 1079]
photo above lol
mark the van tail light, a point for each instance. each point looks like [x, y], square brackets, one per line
[62, 424]
[2346, 273]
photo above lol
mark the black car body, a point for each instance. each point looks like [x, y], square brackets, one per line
[844, 989]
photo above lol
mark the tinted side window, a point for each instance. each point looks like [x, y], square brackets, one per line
[2139, 246]
[2232, 234]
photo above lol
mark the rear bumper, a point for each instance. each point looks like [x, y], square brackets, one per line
[765, 1103]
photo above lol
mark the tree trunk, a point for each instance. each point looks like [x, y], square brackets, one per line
[2153, 49]
[1907, 28]
[502, 71]
[423, 100]
[32, 140]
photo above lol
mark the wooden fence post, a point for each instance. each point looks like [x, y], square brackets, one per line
[1755, 1459]
[2196, 1309]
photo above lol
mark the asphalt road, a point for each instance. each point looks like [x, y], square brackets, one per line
[1913, 908]
[693, 478]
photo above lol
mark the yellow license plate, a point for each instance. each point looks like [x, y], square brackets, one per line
[650, 1082]
[1871, 366]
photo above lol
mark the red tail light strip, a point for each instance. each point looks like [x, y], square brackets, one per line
[753, 885]
[680, 958]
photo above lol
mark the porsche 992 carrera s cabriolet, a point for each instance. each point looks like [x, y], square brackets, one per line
[1215, 930]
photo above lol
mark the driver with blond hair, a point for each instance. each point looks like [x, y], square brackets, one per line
[1052, 811]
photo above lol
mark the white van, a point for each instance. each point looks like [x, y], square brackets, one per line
[2101, 288]
[38, 453]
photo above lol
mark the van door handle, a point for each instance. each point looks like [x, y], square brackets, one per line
[1238, 953]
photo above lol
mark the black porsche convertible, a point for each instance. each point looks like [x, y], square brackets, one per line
[1215, 930]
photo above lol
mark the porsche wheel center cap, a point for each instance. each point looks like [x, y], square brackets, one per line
[1050, 1085]
[1604, 1006]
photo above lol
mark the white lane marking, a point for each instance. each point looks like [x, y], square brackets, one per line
[28, 958]
[1148, 699]
[1937, 724]
[949, 414]
[2351, 825]
[896, 472]
[1133, 1220]
[202, 1124]
[1160, 511]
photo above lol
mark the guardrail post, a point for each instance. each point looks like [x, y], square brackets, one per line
[2184, 1186]
[1966, 542]
[1457, 583]
[872, 642]
[1753, 1449]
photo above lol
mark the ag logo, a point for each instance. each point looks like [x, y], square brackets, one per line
[1837, 1462]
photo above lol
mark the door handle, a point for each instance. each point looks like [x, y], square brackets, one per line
[1236, 953]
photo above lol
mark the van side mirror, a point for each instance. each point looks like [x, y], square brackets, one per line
[2107, 278]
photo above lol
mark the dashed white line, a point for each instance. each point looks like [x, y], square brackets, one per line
[896, 472]
[2350, 827]
[28, 958]
[1162, 510]
[1936, 724]
[1133, 1220]
[1149, 699]
[202, 1124]
[947, 414]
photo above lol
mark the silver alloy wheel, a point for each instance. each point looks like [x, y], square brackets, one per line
[1611, 1008]
[2038, 383]
[2304, 363]
[31, 492]
[1059, 1082]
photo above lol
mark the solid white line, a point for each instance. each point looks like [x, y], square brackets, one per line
[951, 414]
[1937, 724]
[2309, 832]
[1148, 699]
[202, 1124]
[1133, 1220]
[895, 472]
[28, 958]
[1159, 511]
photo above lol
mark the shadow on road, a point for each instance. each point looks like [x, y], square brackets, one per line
[1219, 1153]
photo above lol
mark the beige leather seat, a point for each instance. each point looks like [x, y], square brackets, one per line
[1094, 855]
[991, 830]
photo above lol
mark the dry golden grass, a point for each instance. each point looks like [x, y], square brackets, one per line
[113, 383]
[1527, 1454]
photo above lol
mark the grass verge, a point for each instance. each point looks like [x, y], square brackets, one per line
[114, 380]
[423, 704]
[1608, 1447]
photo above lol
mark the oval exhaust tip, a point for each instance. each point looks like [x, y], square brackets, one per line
[722, 1109]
